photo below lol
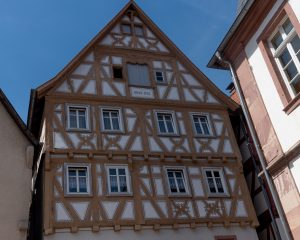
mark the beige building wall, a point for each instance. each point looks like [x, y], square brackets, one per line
[15, 179]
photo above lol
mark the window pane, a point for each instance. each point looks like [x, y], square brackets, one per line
[162, 127]
[123, 184]
[113, 183]
[296, 44]
[126, 28]
[285, 57]
[122, 171]
[115, 123]
[117, 72]
[138, 30]
[291, 71]
[82, 173]
[72, 172]
[172, 185]
[112, 171]
[287, 26]
[219, 185]
[211, 185]
[198, 128]
[82, 184]
[73, 121]
[181, 186]
[72, 184]
[216, 174]
[277, 40]
[159, 76]
[170, 126]
[82, 122]
[204, 125]
[107, 125]
[208, 174]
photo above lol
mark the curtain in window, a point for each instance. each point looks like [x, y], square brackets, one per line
[138, 75]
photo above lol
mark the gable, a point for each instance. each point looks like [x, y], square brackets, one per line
[132, 38]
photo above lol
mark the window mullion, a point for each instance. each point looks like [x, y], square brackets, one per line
[77, 180]
[215, 183]
[118, 180]
[176, 183]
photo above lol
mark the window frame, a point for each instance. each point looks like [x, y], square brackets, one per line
[127, 24]
[87, 117]
[164, 81]
[120, 118]
[88, 179]
[286, 44]
[174, 122]
[185, 179]
[210, 126]
[223, 181]
[285, 10]
[128, 180]
[139, 26]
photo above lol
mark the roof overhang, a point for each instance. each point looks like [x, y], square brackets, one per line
[16, 118]
[214, 61]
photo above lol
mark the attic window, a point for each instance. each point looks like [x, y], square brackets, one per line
[117, 72]
[138, 30]
[126, 28]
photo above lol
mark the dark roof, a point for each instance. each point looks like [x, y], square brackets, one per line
[15, 116]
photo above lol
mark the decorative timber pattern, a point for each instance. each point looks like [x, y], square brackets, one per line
[99, 78]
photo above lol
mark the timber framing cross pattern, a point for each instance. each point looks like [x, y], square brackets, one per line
[97, 80]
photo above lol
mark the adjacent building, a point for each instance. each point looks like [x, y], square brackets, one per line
[138, 144]
[262, 48]
[16, 159]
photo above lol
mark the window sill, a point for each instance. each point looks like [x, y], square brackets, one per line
[79, 130]
[80, 195]
[223, 195]
[119, 194]
[292, 105]
[204, 136]
[178, 195]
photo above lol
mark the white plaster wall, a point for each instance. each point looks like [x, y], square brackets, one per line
[201, 233]
[287, 127]
[15, 179]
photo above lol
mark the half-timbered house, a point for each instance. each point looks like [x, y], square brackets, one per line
[138, 143]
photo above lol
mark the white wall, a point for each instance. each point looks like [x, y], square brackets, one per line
[202, 233]
[287, 127]
[15, 179]
[295, 169]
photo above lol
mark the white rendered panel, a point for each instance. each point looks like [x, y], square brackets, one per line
[83, 69]
[128, 212]
[58, 141]
[149, 211]
[90, 88]
[110, 208]
[61, 213]
[80, 208]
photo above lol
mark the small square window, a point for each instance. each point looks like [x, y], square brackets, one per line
[166, 123]
[117, 72]
[111, 120]
[126, 28]
[118, 180]
[138, 30]
[215, 181]
[78, 117]
[77, 179]
[159, 76]
[201, 124]
[176, 181]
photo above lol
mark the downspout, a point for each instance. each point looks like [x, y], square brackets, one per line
[258, 148]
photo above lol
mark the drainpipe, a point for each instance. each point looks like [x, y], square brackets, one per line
[258, 148]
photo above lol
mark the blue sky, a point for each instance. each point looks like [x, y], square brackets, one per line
[39, 37]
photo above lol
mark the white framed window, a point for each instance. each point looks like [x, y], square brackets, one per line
[285, 46]
[112, 120]
[166, 122]
[201, 124]
[118, 179]
[177, 181]
[78, 117]
[138, 75]
[215, 181]
[159, 77]
[77, 179]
